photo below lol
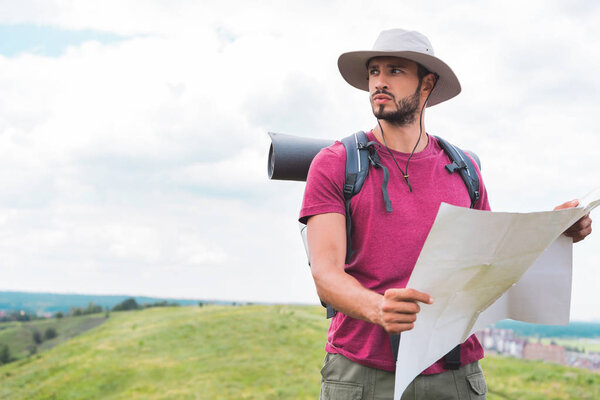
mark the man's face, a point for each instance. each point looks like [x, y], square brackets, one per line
[394, 88]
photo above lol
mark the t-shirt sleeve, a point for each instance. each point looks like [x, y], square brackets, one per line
[324, 183]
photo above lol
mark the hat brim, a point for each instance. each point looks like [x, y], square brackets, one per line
[353, 67]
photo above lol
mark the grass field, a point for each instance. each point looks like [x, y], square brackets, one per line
[216, 352]
[20, 334]
[508, 378]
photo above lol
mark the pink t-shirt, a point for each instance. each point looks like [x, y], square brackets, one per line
[386, 245]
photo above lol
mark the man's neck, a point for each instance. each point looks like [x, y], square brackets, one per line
[402, 138]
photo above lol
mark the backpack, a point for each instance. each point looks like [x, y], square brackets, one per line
[360, 155]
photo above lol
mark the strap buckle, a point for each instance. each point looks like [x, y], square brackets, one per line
[456, 165]
[348, 188]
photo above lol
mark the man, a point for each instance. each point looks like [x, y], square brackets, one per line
[402, 76]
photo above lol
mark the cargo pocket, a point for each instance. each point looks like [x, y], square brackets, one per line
[332, 390]
[330, 359]
[477, 385]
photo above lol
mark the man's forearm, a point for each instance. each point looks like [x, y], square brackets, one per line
[343, 292]
[395, 311]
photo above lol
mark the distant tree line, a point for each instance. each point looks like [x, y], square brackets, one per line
[131, 304]
[90, 309]
[125, 305]
[21, 316]
[25, 316]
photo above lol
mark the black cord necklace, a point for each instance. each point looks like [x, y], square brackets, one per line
[405, 174]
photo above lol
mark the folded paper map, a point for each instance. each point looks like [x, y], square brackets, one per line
[481, 267]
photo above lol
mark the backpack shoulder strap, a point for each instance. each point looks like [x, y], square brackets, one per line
[357, 163]
[461, 162]
[357, 168]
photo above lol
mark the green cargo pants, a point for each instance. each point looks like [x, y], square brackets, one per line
[343, 379]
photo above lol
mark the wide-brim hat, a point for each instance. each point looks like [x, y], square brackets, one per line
[410, 45]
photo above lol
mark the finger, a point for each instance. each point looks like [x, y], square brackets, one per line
[582, 224]
[579, 230]
[398, 318]
[408, 295]
[395, 323]
[400, 307]
[568, 204]
[582, 235]
[579, 239]
[394, 329]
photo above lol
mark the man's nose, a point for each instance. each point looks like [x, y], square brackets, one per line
[380, 83]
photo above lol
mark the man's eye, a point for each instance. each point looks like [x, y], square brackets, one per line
[373, 72]
[397, 71]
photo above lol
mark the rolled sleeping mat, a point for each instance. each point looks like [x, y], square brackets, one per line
[290, 156]
[474, 157]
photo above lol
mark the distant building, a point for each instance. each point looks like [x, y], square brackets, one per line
[501, 341]
[505, 342]
[551, 352]
[589, 361]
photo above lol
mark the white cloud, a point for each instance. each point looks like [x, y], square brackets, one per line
[139, 166]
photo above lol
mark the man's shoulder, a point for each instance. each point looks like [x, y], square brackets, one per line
[438, 148]
[324, 184]
[332, 160]
[330, 156]
[337, 149]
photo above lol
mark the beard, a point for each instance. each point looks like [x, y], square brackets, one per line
[406, 109]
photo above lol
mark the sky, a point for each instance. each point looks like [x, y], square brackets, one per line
[133, 134]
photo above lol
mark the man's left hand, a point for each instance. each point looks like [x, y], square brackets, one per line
[580, 229]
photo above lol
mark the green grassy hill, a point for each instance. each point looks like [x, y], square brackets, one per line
[19, 335]
[219, 352]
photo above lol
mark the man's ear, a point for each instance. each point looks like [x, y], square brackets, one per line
[428, 84]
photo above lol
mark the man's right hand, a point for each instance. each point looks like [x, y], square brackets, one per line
[399, 307]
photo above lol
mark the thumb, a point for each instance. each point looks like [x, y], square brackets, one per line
[568, 204]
